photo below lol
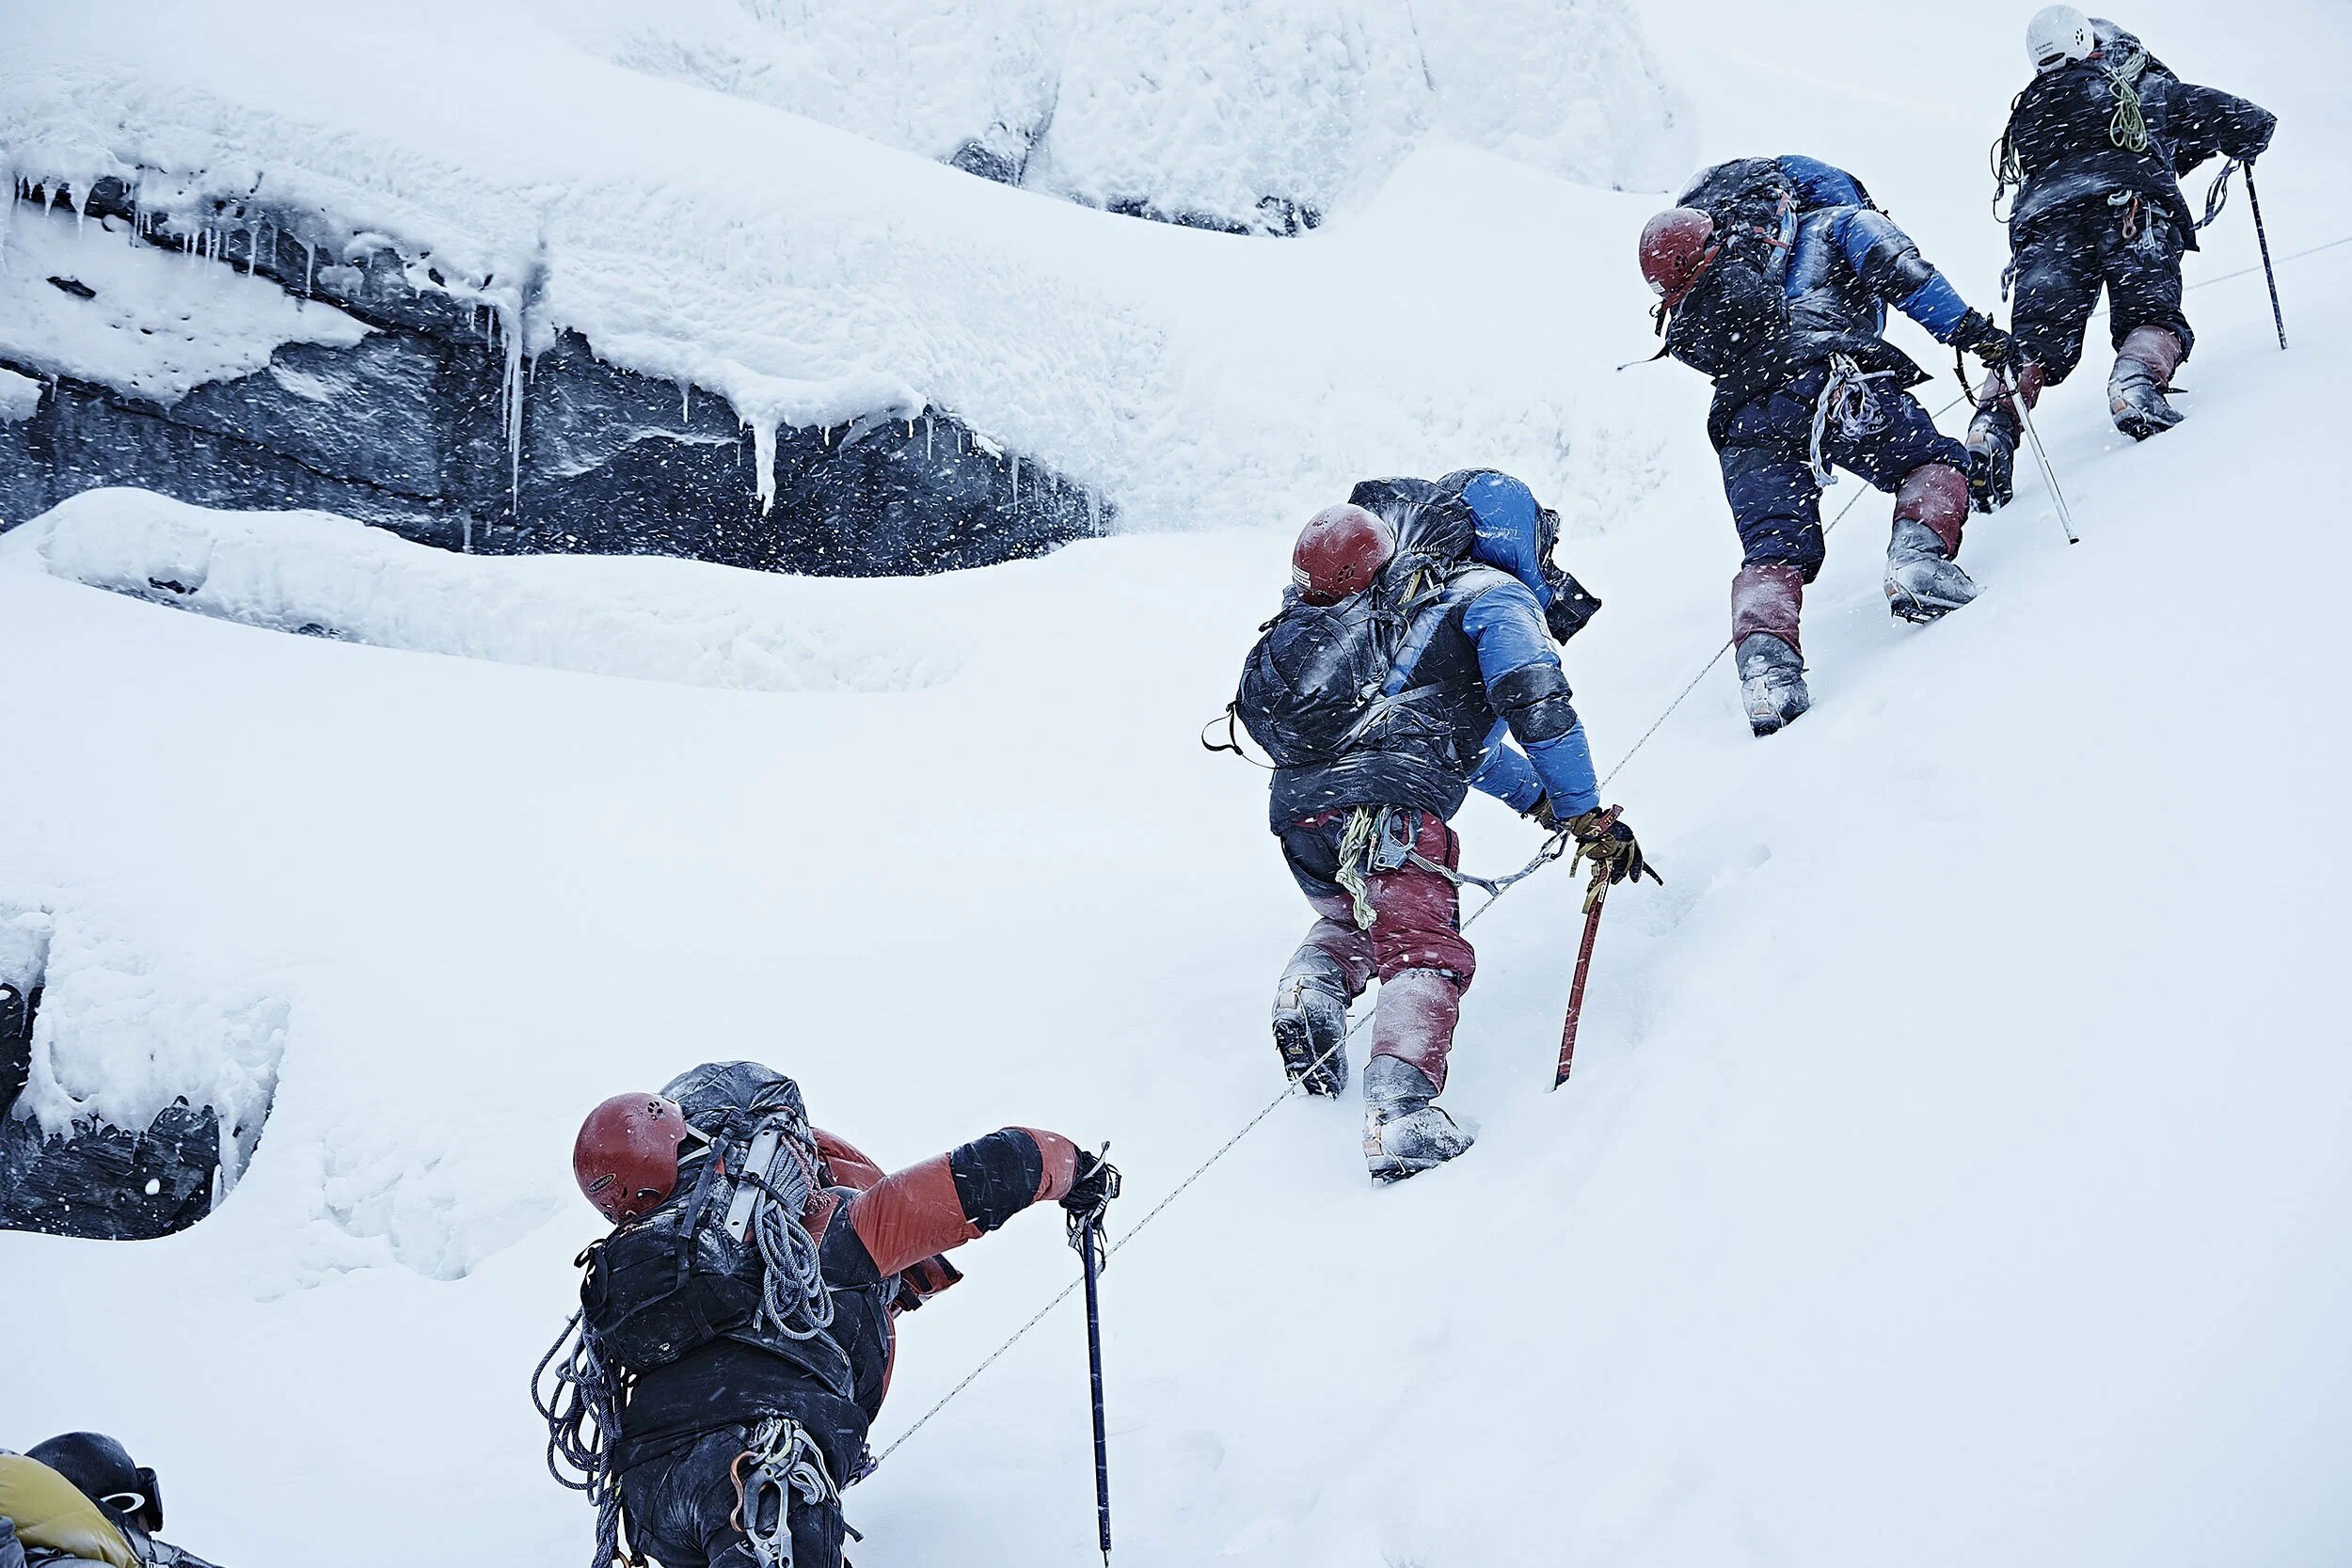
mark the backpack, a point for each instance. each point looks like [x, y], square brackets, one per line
[1313, 686]
[693, 1272]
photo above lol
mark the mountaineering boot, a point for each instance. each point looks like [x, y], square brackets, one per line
[1923, 584]
[1311, 1022]
[1771, 682]
[1992, 459]
[2142, 374]
[1404, 1134]
[1992, 437]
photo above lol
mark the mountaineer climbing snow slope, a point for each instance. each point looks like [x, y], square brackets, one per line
[1959, 1152]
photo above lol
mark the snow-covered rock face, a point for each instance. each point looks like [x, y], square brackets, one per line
[221, 373]
[132, 1091]
[1259, 116]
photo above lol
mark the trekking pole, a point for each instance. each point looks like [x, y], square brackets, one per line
[1576, 987]
[1088, 1238]
[2049, 475]
[2262, 238]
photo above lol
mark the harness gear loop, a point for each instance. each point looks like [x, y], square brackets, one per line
[2127, 206]
[1355, 852]
[783, 1459]
[1848, 403]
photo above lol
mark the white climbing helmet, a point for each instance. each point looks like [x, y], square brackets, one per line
[2058, 35]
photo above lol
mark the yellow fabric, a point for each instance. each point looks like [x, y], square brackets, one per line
[50, 1512]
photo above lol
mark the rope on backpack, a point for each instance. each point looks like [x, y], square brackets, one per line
[582, 1409]
[792, 1295]
[2128, 129]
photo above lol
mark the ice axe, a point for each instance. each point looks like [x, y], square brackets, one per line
[1593, 902]
[1576, 987]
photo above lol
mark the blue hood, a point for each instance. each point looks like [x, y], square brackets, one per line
[1505, 513]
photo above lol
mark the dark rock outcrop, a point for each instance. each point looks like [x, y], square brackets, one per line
[99, 1182]
[410, 430]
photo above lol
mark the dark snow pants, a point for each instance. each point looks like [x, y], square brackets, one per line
[2133, 251]
[1414, 945]
[1766, 456]
[682, 1511]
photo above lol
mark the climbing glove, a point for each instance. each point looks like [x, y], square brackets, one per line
[1090, 1194]
[1977, 334]
[1609, 845]
[1543, 815]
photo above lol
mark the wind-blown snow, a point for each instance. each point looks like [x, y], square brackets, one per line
[1960, 1153]
[81, 297]
[326, 576]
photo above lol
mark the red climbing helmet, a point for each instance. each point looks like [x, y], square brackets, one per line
[626, 1156]
[1339, 552]
[1676, 247]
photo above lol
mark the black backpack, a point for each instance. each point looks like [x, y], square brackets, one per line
[1738, 315]
[680, 1278]
[1310, 686]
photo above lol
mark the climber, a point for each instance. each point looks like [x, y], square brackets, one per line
[2096, 144]
[738, 1327]
[1773, 276]
[1415, 638]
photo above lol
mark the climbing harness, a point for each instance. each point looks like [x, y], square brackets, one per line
[782, 1465]
[1848, 406]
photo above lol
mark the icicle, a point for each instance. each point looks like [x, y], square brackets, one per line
[926, 436]
[764, 453]
[1016, 482]
[309, 266]
[685, 402]
[514, 393]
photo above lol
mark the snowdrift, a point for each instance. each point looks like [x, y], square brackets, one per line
[324, 576]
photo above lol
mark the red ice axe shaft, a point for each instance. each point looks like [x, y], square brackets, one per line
[1576, 988]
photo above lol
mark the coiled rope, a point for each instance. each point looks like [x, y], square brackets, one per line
[582, 1411]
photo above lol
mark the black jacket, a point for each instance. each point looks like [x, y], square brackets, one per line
[2060, 128]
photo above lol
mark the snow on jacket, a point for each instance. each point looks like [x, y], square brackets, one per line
[1842, 265]
[2062, 131]
[1486, 668]
[864, 1240]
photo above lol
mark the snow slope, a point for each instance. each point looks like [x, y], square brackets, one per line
[1961, 1146]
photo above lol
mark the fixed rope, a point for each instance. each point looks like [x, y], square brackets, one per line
[1504, 884]
[1291, 1088]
